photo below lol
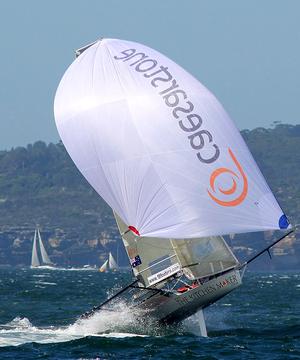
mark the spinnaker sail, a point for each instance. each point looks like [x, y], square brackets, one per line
[163, 153]
[158, 147]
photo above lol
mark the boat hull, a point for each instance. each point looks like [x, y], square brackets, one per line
[175, 307]
[43, 267]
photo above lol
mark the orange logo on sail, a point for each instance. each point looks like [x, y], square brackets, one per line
[235, 199]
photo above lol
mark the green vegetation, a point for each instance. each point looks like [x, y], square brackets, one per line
[277, 152]
[40, 184]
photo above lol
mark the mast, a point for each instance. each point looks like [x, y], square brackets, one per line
[34, 256]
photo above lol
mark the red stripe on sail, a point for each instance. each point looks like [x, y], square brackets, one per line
[134, 230]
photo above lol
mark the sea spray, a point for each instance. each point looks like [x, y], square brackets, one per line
[103, 323]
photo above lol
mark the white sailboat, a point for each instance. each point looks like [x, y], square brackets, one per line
[109, 264]
[160, 149]
[112, 264]
[39, 256]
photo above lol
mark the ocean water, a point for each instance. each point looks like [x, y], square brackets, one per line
[40, 309]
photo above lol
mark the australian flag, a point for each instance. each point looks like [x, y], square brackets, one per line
[136, 261]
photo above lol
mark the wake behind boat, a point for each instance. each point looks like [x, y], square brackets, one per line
[163, 153]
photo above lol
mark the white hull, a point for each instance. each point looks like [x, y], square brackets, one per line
[178, 306]
[164, 307]
[47, 267]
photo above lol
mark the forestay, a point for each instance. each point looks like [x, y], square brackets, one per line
[158, 147]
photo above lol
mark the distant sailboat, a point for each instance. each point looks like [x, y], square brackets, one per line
[104, 266]
[39, 258]
[109, 264]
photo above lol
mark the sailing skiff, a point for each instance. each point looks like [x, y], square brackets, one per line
[160, 149]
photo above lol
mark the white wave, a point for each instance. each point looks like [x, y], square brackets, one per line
[45, 283]
[20, 331]
[102, 324]
[120, 317]
[19, 323]
[54, 268]
[42, 267]
[75, 269]
[120, 335]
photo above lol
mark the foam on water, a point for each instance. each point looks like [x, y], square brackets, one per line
[103, 323]
[41, 275]
[118, 322]
[119, 318]
[45, 283]
[259, 320]
[75, 269]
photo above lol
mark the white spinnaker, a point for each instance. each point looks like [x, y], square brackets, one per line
[128, 130]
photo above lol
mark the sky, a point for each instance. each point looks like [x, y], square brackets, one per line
[246, 52]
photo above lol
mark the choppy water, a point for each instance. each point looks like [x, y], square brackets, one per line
[39, 312]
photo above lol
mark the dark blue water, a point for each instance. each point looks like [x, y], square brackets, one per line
[39, 312]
